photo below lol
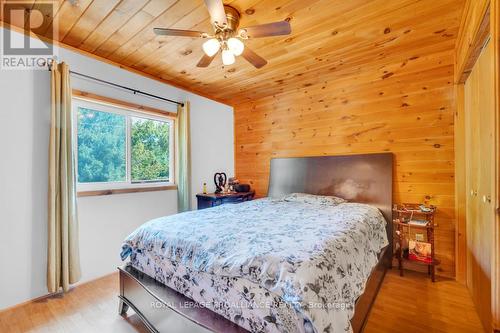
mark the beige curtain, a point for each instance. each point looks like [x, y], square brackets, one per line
[183, 162]
[63, 260]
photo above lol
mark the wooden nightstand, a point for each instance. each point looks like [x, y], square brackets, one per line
[405, 214]
[215, 199]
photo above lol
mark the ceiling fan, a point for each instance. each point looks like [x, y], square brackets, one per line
[227, 37]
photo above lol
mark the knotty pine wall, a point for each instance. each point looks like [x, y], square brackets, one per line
[404, 106]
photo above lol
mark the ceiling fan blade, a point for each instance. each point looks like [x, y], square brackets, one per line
[266, 30]
[179, 33]
[217, 12]
[253, 58]
[205, 61]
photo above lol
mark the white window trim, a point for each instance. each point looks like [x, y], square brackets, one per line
[127, 184]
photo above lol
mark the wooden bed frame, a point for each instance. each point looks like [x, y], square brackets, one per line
[359, 178]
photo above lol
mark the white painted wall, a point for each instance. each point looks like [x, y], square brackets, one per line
[104, 221]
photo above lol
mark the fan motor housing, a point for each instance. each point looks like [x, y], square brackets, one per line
[233, 18]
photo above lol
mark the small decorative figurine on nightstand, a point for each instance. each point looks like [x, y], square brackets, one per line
[415, 235]
[220, 179]
[232, 182]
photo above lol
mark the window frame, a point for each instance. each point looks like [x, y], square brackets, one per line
[128, 113]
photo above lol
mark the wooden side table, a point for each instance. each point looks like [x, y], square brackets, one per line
[215, 199]
[404, 213]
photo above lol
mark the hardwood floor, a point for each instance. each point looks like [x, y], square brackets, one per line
[405, 304]
[90, 307]
[414, 304]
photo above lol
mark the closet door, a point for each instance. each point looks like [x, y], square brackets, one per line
[471, 158]
[480, 173]
[486, 185]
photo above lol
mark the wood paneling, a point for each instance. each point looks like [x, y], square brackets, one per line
[438, 307]
[400, 101]
[328, 36]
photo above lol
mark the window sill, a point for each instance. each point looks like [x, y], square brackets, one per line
[125, 190]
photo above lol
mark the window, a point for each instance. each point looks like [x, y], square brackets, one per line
[119, 148]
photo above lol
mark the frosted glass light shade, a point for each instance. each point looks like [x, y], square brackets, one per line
[236, 46]
[227, 57]
[211, 47]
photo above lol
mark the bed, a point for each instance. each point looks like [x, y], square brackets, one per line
[277, 264]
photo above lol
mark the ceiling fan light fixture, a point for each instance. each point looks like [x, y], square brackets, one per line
[227, 57]
[236, 46]
[211, 47]
[227, 36]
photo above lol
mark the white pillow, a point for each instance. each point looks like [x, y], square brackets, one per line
[314, 199]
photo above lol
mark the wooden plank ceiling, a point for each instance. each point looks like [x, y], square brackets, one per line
[329, 38]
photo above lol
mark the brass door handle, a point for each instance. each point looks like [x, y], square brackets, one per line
[473, 193]
[486, 198]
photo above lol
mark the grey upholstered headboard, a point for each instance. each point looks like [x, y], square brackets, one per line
[363, 178]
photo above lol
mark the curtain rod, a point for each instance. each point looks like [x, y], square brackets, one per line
[134, 91]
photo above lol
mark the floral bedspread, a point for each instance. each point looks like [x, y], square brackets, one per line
[237, 299]
[314, 258]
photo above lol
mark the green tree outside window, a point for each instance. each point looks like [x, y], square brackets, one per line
[102, 148]
[150, 150]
